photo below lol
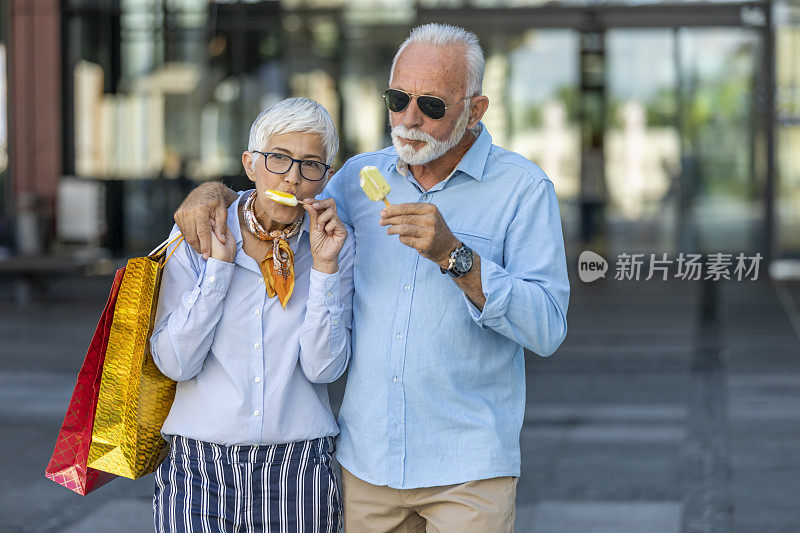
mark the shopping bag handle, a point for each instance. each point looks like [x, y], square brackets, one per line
[164, 245]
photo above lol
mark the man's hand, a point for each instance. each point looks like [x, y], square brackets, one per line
[327, 234]
[421, 227]
[206, 204]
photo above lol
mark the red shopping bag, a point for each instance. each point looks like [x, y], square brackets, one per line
[68, 467]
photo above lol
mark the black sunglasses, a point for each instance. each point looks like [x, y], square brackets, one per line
[432, 106]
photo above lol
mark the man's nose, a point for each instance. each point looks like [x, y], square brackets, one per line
[412, 116]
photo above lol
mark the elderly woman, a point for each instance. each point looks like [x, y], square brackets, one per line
[252, 335]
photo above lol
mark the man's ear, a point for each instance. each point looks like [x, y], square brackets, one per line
[478, 106]
[247, 163]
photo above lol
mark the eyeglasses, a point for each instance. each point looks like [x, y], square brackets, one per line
[432, 106]
[281, 164]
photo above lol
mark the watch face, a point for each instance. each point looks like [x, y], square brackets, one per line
[463, 262]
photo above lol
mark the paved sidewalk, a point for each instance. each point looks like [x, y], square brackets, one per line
[672, 407]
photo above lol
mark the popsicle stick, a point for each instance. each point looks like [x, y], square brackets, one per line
[386, 202]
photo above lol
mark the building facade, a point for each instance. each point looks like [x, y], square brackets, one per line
[664, 127]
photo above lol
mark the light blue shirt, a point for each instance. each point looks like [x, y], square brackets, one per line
[248, 371]
[435, 392]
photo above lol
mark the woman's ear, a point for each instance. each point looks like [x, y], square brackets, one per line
[328, 176]
[247, 163]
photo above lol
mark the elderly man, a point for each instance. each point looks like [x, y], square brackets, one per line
[462, 271]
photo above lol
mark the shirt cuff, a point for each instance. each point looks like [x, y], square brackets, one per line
[217, 276]
[496, 287]
[324, 289]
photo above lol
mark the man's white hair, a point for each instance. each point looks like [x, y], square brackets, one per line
[294, 115]
[445, 35]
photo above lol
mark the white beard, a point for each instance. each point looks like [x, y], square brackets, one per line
[433, 148]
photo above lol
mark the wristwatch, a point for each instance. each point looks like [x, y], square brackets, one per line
[461, 260]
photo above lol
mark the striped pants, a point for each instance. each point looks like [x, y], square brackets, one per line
[282, 488]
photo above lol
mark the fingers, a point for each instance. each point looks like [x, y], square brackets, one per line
[321, 205]
[411, 242]
[330, 227]
[186, 226]
[213, 234]
[221, 223]
[326, 216]
[323, 215]
[416, 220]
[407, 209]
[406, 230]
[312, 214]
[203, 231]
[229, 237]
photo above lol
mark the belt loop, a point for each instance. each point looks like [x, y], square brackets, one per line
[234, 454]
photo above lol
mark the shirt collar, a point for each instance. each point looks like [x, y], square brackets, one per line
[472, 163]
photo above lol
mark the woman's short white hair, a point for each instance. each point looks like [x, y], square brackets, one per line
[295, 114]
[444, 35]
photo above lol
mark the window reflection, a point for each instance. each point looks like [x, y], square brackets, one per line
[647, 134]
[720, 137]
[642, 147]
[541, 100]
[4, 200]
[787, 44]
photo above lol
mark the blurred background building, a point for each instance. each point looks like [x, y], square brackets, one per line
[665, 126]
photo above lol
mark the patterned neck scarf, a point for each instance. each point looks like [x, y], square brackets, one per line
[279, 272]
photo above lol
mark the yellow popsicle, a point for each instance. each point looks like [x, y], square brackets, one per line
[281, 197]
[374, 184]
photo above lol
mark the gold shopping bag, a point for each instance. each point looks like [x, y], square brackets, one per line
[135, 397]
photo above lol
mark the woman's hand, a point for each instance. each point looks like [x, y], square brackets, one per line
[222, 252]
[327, 234]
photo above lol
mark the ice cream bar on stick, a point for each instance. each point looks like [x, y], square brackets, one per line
[374, 184]
[281, 197]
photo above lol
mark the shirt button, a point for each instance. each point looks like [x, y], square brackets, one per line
[336, 322]
[407, 287]
[258, 379]
[398, 336]
[191, 301]
[395, 379]
[261, 280]
[212, 279]
[255, 413]
[257, 312]
[425, 197]
[329, 294]
[256, 346]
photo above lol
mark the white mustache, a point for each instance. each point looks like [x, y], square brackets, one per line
[411, 134]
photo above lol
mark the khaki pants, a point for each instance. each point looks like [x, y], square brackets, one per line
[483, 506]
